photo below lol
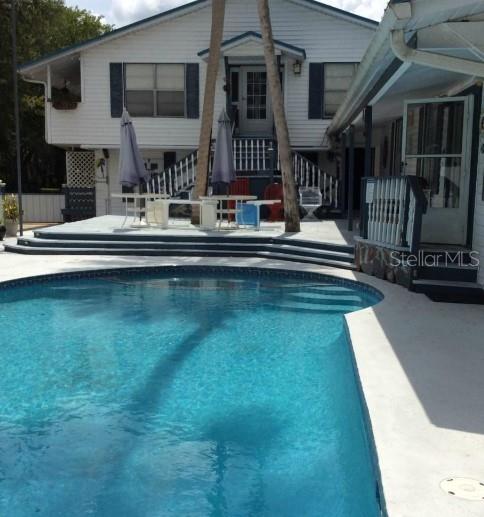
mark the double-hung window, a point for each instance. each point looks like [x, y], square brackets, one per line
[328, 85]
[155, 90]
[337, 82]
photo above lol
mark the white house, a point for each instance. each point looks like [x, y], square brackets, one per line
[416, 101]
[156, 67]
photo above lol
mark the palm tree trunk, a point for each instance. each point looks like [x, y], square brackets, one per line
[201, 181]
[291, 206]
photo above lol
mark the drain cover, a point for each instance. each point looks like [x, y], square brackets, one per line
[465, 488]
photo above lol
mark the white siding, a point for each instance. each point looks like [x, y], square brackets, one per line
[324, 37]
[478, 242]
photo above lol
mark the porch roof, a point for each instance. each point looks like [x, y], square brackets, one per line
[432, 29]
[254, 37]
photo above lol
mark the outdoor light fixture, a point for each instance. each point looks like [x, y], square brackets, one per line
[296, 67]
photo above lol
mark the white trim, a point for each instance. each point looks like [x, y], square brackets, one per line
[330, 12]
[393, 79]
[432, 60]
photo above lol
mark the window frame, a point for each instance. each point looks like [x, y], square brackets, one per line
[155, 90]
[325, 63]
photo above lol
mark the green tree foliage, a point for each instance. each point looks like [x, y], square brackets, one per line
[42, 26]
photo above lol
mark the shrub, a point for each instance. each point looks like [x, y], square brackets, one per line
[10, 207]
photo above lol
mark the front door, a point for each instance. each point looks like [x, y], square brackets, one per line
[436, 148]
[255, 106]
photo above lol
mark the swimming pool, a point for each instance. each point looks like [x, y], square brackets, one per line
[191, 393]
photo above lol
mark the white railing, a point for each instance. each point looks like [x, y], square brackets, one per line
[253, 154]
[177, 178]
[309, 175]
[256, 155]
[393, 209]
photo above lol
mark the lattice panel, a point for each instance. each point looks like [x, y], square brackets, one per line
[81, 169]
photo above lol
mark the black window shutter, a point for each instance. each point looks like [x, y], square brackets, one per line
[116, 84]
[316, 91]
[192, 89]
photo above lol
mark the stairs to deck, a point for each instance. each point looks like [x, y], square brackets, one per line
[448, 275]
[293, 250]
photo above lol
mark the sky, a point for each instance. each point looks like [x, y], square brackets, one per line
[121, 12]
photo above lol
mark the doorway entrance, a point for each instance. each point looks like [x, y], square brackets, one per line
[255, 107]
[436, 148]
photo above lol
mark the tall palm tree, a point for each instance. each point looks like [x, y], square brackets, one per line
[291, 206]
[218, 15]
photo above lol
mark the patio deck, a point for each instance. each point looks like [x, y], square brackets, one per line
[321, 242]
[317, 231]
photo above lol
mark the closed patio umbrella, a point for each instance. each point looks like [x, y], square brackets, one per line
[132, 171]
[223, 171]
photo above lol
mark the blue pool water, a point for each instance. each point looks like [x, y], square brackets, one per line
[137, 395]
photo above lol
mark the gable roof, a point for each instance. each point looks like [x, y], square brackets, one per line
[174, 13]
[255, 36]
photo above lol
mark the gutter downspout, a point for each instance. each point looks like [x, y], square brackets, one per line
[432, 60]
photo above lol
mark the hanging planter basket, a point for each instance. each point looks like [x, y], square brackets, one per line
[64, 105]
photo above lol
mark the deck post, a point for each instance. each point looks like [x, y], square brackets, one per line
[351, 175]
[17, 116]
[343, 167]
[368, 118]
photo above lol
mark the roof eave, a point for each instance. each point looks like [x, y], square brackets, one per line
[287, 48]
[30, 66]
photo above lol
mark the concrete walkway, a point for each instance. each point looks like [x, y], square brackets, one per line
[421, 366]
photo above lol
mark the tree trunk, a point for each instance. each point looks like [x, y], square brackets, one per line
[291, 206]
[201, 181]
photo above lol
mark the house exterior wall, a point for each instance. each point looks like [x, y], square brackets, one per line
[326, 38]
[478, 241]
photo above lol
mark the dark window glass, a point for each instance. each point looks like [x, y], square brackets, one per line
[234, 86]
[170, 104]
[140, 103]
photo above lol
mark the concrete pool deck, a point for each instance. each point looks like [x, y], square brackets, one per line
[421, 366]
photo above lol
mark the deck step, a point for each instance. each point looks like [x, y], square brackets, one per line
[450, 291]
[178, 252]
[449, 272]
[191, 245]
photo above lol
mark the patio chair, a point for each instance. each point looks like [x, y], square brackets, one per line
[276, 211]
[310, 198]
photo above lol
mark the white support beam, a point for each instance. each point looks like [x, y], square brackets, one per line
[429, 59]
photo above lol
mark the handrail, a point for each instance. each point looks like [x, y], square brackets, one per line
[392, 210]
[310, 175]
[251, 155]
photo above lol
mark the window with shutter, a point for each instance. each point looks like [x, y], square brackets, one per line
[155, 90]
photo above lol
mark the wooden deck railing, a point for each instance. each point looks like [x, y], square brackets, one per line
[392, 210]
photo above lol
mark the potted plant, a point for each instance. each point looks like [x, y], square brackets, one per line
[10, 215]
[64, 99]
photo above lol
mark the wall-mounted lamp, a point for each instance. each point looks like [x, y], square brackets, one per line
[296, 67]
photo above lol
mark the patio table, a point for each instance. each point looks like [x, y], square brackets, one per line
[136, 210]
[159, 210]
[258, 203]
[227, 198]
